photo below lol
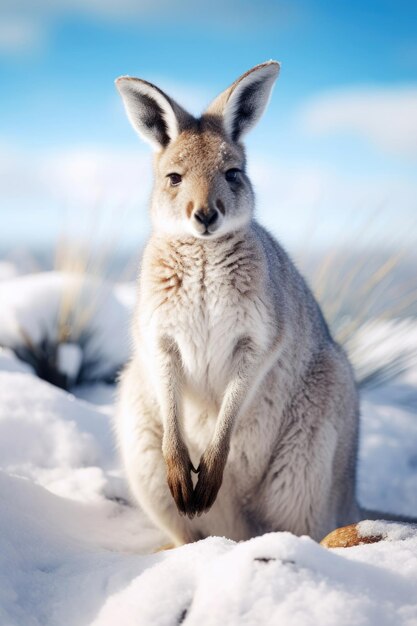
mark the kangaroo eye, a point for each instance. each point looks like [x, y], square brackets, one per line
[232, 175]
[175, 179]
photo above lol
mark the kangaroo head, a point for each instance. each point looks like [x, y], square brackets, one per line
[201, 187]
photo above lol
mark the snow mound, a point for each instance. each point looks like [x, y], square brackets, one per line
[389, 531]
[65, 445]
[40, 311]
[56, 565]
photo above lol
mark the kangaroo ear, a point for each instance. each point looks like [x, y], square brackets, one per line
[157, 118]
[242, 104]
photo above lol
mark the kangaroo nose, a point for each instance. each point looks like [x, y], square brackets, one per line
[207, 218]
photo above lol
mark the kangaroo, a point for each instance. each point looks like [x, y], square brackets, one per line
[238, 412]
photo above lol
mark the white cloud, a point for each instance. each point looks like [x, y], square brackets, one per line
[78, 176]
[309, 203]
[386, 117]
[25, 25]
[19, 34]
[27, 15]
[43, 195]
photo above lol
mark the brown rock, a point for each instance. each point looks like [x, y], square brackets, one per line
[347, 537]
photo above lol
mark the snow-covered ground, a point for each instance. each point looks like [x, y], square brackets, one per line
[74, 552]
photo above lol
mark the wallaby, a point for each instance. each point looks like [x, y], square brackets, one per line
[234, 376]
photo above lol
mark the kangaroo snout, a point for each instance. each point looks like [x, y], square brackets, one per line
[205, 218]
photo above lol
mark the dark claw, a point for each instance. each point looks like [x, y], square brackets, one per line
[207, 488]
[180, 483]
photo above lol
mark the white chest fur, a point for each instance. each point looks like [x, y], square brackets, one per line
[206, 296]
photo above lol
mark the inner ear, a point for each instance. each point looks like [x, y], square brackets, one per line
[241, 105]
[244, 114]
[155, 116]
[152, 118]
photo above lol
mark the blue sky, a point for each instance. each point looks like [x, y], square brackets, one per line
[341, 124]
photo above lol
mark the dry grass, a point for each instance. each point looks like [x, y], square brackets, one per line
[369, 298]
[90, 256]
[88, 259]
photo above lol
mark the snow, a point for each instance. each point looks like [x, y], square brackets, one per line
[390, 531]
[74, 551]
[7, 270]
[42, 306]
[57, 566]
[69, 360]
[388, 469]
